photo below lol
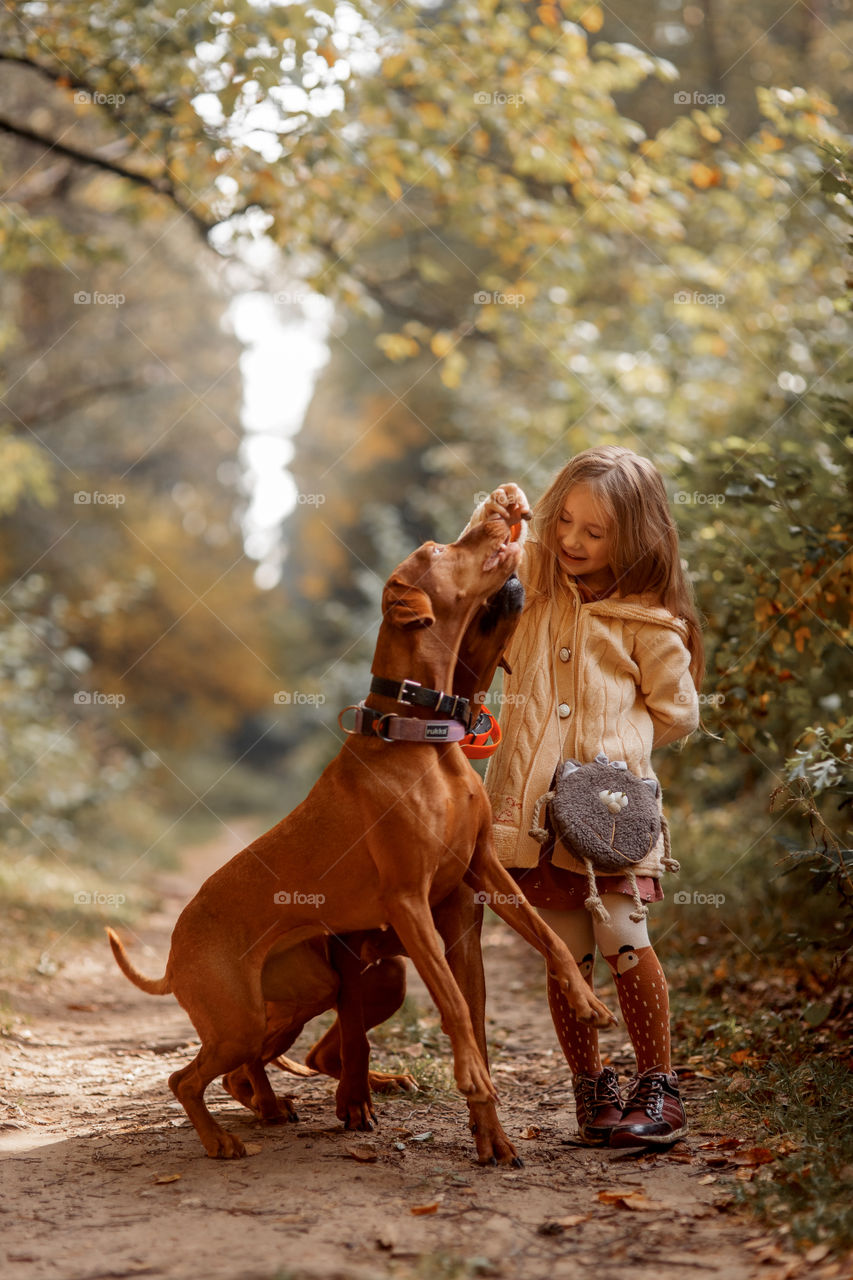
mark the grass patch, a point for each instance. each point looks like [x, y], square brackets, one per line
[761, 994]
[414, 1026]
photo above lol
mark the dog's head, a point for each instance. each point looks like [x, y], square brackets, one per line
[458, 590]
[442, 580]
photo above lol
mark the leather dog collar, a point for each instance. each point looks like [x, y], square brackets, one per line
[414, 694]
[390, 727]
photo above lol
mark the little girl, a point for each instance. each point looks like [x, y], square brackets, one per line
[607, 657]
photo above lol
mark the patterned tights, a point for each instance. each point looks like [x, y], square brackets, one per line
[640, 985]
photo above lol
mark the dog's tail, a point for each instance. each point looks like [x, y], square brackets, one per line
[295, 1068]
[154, 986]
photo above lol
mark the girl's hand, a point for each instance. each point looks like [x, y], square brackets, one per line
[508, 501]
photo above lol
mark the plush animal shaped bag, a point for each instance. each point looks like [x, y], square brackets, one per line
[607, 817]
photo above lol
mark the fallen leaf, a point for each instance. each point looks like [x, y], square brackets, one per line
[361, 1151]
[420, 1209]
[721, 1144]
[630, 1199]
[573, 1220]
[745, 1057]
[167, 1177]
[707, 1180]
[816, 1014]
[754, 1156]
[532, 1131]
[422, 1137]
[254, 1148]
[83, 1008]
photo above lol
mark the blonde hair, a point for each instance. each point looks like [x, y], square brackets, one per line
[644, 553]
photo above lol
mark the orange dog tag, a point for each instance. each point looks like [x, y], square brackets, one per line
[480, 745]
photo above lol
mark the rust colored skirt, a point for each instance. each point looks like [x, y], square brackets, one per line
[548, 886]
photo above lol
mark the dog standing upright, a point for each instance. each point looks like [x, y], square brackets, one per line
[384, 835]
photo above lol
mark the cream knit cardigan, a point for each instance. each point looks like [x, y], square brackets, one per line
[610, 675]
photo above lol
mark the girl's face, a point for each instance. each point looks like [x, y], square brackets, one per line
[584, 538]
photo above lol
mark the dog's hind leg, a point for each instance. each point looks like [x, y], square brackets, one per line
[249, 1084]
[383, 989]
[234, 1035]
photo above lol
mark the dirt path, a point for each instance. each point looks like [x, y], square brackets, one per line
[103, 1177]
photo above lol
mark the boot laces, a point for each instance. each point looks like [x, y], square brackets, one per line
[646, 1091]
[607, 1088]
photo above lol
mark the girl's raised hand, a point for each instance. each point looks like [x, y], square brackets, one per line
[508, 501]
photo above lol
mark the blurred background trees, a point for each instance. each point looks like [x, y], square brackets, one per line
[541, 227]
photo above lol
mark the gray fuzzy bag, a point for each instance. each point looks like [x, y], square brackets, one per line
[609, 818]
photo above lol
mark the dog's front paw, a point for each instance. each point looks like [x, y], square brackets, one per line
[358, 1116]
[224, 1146]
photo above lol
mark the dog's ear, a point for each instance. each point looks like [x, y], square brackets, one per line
[406, 606]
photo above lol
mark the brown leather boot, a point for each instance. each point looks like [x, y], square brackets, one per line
[653, 1114]
[598, 1104]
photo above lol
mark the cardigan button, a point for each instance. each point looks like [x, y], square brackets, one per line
[565, 654]
[564, 710]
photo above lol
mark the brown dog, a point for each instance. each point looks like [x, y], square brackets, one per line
[387, 832]
[361, 974]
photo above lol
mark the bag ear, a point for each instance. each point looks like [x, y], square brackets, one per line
[406, 606]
